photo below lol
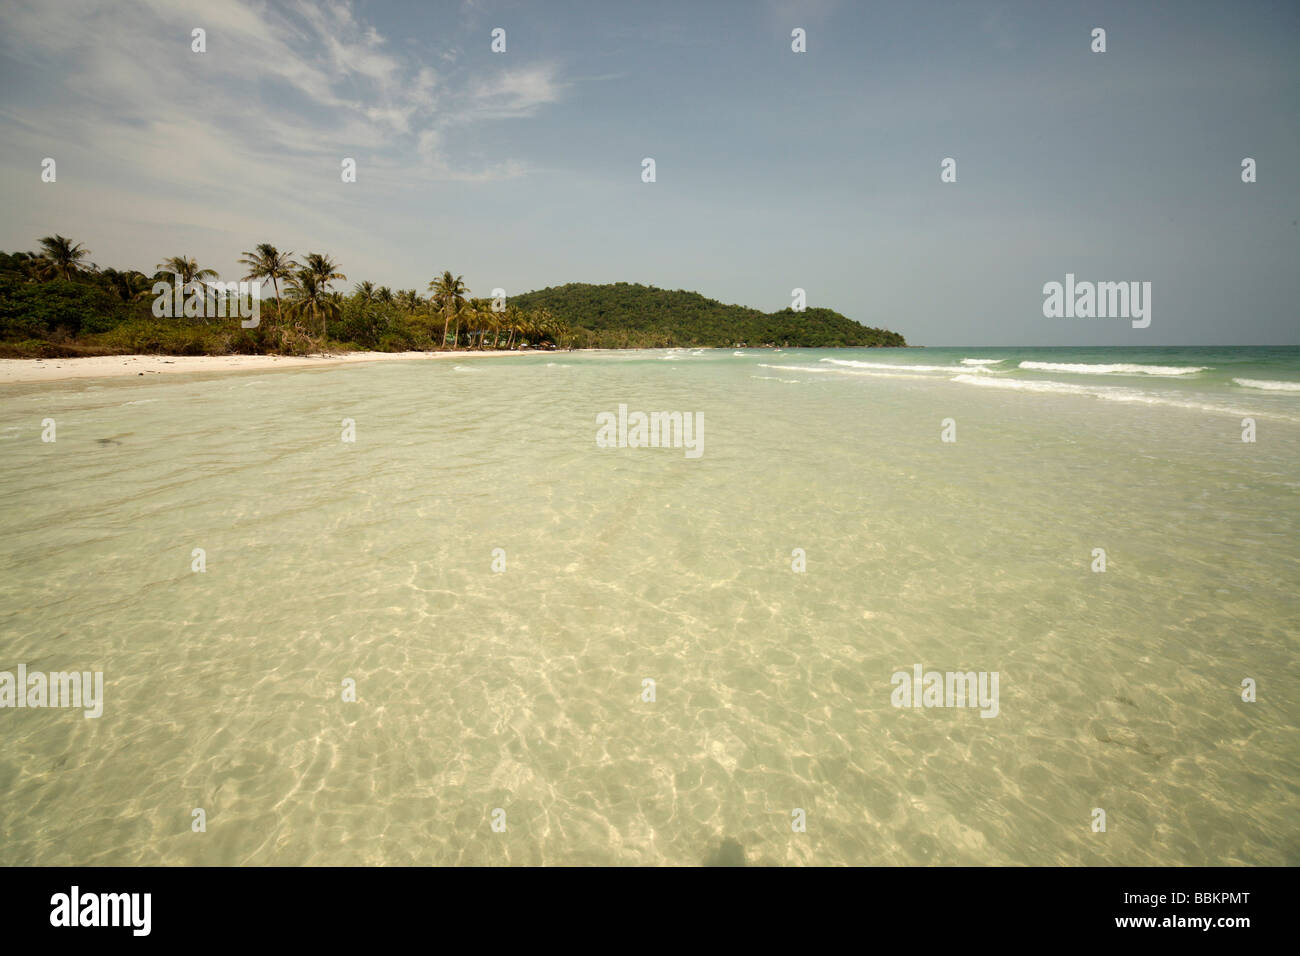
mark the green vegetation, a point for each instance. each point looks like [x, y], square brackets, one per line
[628, 315]
[56, 303]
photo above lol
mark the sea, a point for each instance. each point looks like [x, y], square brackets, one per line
[940, 606]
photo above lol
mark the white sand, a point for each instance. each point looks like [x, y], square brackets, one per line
[14, 371]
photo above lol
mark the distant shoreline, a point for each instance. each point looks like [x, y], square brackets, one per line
[18, 371]
[35, 370]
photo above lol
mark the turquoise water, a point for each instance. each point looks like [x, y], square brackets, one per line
[1262, 379]
[523, 689]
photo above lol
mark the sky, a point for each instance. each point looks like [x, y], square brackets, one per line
[775, 170]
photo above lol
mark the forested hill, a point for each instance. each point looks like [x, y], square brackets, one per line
[629, 315]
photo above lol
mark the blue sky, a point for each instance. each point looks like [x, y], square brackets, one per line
[775, 170]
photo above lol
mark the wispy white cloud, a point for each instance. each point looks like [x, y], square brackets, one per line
[341, 84]
[245, 140]
[514, 93]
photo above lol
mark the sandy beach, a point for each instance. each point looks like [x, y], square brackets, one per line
[23, 371]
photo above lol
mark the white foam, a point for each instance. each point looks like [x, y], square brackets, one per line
[885, 365]
[981, 361]
[1117, 369]
[868, 372]
[1111, 393]
[799, 368]
[1268, 385]
[1063, 388]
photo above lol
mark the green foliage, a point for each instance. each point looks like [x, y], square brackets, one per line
[56, 310]
[629, 315]
[361, 321]
[16, 264]
[162, 336]
[55, 303]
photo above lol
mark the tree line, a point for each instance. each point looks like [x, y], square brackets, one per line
[56, 302]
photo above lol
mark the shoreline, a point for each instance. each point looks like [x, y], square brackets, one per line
[28, 371]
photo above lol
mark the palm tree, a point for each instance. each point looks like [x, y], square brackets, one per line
[127, 285]
[384, 295]
[409, 300]
[323, 270]
[550, 328]
[310, 298]
[187, 272]
[503, 321]
[30, 265]
[63, 258]
[449, 295]
[514, 318]
[185, 269]
[488, 321]
[528, 328]
[267, 262]
[365, 291]
[471, 316]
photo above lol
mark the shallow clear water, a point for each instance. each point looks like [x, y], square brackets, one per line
[522, 690]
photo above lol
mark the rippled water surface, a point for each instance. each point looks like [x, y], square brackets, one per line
[523, 690]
